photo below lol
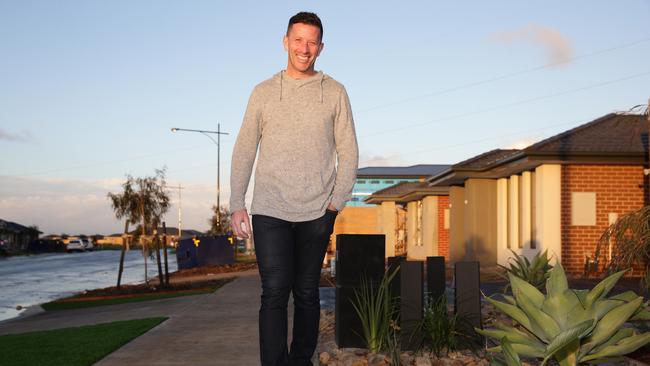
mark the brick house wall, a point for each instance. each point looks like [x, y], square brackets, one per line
[443, 234]
[618, 188]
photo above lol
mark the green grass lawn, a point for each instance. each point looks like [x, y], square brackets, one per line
[67, 305]
[71, 346]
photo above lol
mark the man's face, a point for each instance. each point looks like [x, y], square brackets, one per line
[303, 44]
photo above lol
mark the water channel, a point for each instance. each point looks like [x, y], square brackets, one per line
[29, 280]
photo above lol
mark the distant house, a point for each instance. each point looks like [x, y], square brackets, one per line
[414, 218]
[15, 237]
[359, 217]
[172, 234]
[558, 194]
[372, 179]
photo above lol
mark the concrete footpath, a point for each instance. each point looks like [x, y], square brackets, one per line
[212, 329]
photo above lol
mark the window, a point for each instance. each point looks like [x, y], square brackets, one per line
[355, 199]
[361, 181]
[389, 182]
[374, 182]
[583, 208]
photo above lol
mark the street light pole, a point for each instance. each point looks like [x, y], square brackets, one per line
[218, 143]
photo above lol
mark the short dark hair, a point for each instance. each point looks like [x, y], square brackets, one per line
[306, 17]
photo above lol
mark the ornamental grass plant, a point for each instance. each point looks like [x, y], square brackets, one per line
[439, 332]
[376, 308]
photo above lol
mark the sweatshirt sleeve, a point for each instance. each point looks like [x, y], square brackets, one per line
[244, 152]
[347, 152]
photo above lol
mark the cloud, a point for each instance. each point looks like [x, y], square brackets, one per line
[558, 46]
[60, 205]
[369, 159]
[8, 136]
[521, 144]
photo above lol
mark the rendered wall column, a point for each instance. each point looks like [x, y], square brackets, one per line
[411, 227]
[456, 223]
[502, 221]
[525, 207]
[513, 213]
[387, 225]
[429, 230]
[548, 209]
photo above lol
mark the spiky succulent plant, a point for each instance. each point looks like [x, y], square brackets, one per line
[535, 271]
[572, 326]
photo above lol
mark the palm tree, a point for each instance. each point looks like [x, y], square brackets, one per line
[144, 201]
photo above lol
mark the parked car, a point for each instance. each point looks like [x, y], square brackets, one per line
[88, 245]
[75, 245]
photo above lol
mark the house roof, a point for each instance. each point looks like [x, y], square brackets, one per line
[398, 189]
[415, 171]
[612, 139]
[405, 192]
[15, 228]
[485, 160]
[612, 134]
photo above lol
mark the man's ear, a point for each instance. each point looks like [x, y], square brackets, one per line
[320, 48]
[285, 42]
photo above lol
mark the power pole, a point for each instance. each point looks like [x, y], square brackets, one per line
[218, 144]
[180, 211]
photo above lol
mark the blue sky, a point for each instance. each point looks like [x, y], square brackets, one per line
[90, 89]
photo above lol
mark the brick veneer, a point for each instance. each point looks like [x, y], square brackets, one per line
[619, 188]
[443, 234]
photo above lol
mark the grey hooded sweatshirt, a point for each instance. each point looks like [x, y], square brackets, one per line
[302, 126]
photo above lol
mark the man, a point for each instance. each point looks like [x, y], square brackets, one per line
[302, 122]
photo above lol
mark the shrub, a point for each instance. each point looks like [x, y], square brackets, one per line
[572, 326]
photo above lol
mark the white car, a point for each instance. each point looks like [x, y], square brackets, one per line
[88, 245]
[75, 245]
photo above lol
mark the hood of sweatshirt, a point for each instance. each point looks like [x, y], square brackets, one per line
[286, 82]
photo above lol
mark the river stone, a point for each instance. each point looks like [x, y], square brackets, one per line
[324, 358]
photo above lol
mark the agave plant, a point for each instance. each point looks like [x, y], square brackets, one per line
[572, 326]
[535, 272]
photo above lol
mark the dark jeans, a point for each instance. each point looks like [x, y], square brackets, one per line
[290, 256]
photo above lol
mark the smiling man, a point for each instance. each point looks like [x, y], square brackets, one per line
[302, 123]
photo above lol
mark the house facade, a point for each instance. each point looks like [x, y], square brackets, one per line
[362, 217]
[415, 217]
[559, 194]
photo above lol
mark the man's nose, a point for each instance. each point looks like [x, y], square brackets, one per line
[304, 48]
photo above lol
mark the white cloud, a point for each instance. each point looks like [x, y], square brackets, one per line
[20, 137]
[521, 144]
[370, 159]
[557, 45]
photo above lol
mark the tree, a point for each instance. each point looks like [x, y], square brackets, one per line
[144, 201]
[627, 241]
[215, 228]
